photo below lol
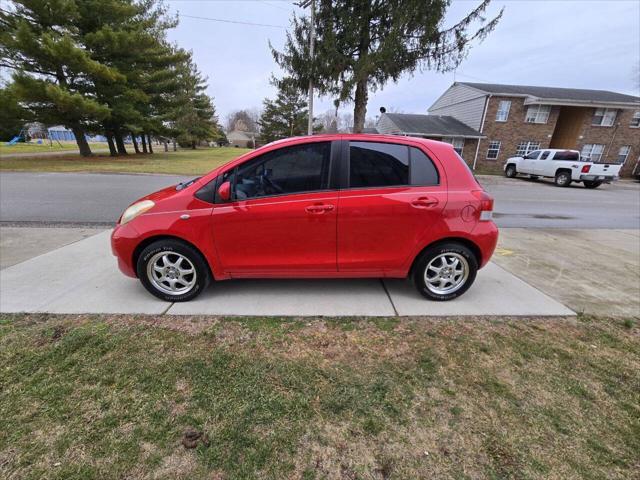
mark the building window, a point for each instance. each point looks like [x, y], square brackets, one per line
[538, 113]
[494, 150]
[623, 153]
[458, 143]
[503, 110]
[604, 117]
[593, 151]
[526, 147]
[635, 121]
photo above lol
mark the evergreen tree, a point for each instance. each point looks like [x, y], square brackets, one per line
[194, 118]
[286, 116]
[53, 72]
[362, 44]
[12, 115]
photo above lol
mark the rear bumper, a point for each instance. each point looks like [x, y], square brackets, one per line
[599, 178]
[485, 236]
[124, 240]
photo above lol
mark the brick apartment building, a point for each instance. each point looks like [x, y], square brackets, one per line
[515, 119]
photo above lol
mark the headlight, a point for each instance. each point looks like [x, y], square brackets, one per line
[136, 209]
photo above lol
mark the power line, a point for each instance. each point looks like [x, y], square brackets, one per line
[223, 20]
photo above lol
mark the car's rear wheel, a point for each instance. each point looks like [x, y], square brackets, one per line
[172, 270]
[591, 184]
[563, 179]
[510, 171]
[445, 271]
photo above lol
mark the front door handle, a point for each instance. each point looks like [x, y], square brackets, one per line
[424, 202]
[318, 209]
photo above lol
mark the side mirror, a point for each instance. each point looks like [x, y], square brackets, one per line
[224, 191]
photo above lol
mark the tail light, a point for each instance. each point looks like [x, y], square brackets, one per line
[586, 168]
[486, 204]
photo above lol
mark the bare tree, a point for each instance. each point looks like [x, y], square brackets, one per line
[245, 120]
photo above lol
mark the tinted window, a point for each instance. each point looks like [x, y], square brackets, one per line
[300, 168]
[566, 155]
[533, 155]
[544, 155]
[423, 171]
[378, 164]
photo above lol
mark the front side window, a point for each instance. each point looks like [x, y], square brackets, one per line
[544, 155]
[494, 150]
[503, 110]
[533, 155]
[623, 153]
[604, 117]
[524, 148]
[635, 120]
[295, 169]
[593, 151]
[457, 143]
[538, 113]
[375, 164]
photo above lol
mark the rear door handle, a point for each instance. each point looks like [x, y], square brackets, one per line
[317, 209]
[424, 202]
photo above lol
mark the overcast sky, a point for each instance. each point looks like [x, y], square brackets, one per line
[581, 44]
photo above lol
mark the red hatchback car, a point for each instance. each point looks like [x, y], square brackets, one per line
[326, 206]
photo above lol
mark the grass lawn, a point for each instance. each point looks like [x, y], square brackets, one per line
[34, 147]
[187, 162]
[109, 397]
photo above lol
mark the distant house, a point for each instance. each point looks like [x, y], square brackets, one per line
[242, 139]
[436, 127]
[517, 119]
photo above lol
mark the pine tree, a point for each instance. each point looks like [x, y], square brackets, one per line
[286, 116]
[362, 44]
[53, 72]
[12, 115]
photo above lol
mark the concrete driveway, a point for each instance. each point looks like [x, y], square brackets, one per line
[82, 277]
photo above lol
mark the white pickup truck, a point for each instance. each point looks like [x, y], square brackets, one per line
[564, 166]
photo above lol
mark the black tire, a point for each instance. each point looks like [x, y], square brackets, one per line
[174, 249]
[591, 184]
[510, 171]
[431, 254]
[563, 178]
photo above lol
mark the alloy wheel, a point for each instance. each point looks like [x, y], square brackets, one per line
[171, 273]
[446, 273]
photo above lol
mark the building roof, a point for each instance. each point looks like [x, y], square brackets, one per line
[555, 93]
[431, 125]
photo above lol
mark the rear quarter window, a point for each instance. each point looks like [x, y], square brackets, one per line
[423, 171]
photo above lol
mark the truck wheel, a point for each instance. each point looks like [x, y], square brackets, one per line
[510, 171]
[591, 184]
[563, 179]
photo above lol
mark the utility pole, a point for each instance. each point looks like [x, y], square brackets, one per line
[312, 41]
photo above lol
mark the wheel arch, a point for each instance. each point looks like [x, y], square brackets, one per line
[475, 249]
[563, 169]
[154, 238]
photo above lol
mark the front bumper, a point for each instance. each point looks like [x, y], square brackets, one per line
[598, 178]
[124, 240]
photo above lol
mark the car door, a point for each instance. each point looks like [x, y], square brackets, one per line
[394, 195]
[281, 218]
[541, 165]
[528, 163]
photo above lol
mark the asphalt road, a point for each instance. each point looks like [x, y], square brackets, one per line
[85, 199]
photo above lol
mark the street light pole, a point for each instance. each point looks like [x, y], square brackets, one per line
[312, 38]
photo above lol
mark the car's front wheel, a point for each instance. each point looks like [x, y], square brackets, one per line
[172, 270]
[445, 271]
[510, 171]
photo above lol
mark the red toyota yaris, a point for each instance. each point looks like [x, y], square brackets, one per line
[330, 206]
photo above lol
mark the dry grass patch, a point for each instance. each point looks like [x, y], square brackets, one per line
[299, 398]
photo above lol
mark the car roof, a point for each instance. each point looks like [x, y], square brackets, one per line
[558, 149]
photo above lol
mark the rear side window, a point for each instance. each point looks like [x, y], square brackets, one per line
[378, 164]
[374, 164]
[423, 171]
[567, 155]
[544, 155]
